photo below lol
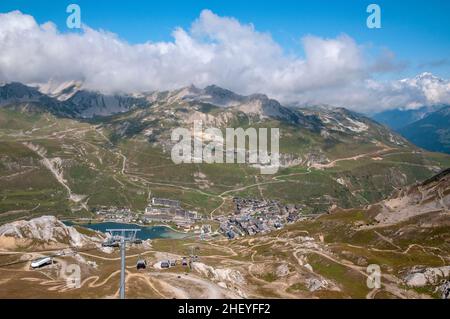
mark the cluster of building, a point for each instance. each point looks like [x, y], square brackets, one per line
[123, 215]
[251, 216]
[254, 216]
[169, 211]
[160, 210]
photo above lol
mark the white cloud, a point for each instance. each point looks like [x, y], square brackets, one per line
[216, 50]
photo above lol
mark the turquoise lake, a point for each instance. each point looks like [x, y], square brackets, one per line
[146, 232]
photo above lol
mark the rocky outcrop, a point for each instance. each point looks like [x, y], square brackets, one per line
[427, 276]
[315, 284]
[444, 289]
[230, 275]
[45, 230]
[226, 278]
[282, 270]
[428, 197]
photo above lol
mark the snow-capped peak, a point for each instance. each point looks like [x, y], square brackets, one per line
[423, 78]
[427, 76]
[434, 90]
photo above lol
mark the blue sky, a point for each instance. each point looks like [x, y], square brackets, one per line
[299, 52]
[418, 32]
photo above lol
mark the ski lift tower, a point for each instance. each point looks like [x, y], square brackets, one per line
[124, 235]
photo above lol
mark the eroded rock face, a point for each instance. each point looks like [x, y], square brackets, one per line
[445, 290]
[225, 278]
[223, 275]
[282, 270]
[427, 197]
[416, 280]
[427, 276]
[362, 262]
[315, 284]
[42, 230]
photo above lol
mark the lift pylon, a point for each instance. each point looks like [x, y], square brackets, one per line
[124, 235]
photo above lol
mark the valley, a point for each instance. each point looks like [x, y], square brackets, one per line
[357, 187]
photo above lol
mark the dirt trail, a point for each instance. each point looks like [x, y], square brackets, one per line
[391, 288]
[196, 287]
[384, 149]
[23, 172]
[148, 281]
[388, 240]
[54, 166]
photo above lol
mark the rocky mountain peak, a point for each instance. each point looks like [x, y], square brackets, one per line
[18, 92]
[61, 91]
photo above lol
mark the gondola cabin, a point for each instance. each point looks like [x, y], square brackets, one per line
[111, 243]
[141, 264]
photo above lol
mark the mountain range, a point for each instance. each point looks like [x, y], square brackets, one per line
[427, 127]
[365, 195]
[399, 118]
[68, 149]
